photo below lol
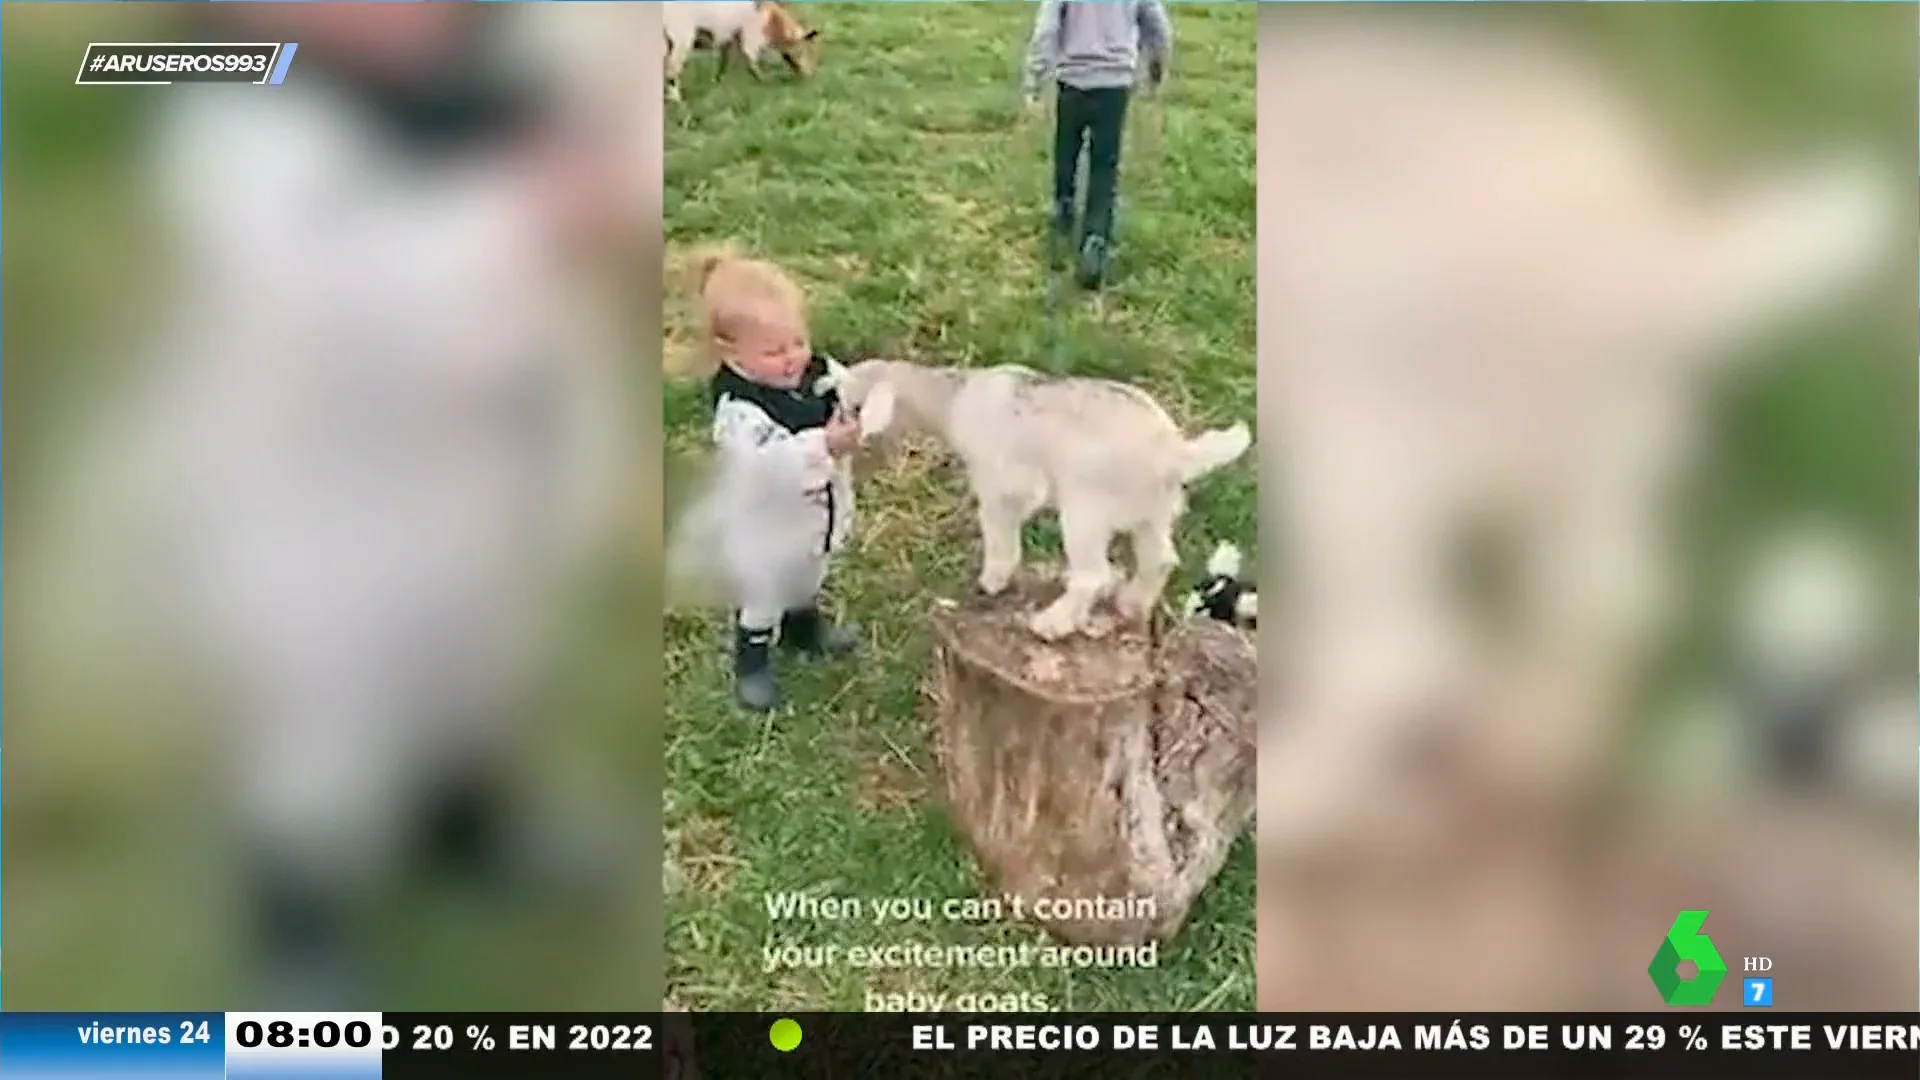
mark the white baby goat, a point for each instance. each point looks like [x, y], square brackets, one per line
[1105, 455]
[1499, 297]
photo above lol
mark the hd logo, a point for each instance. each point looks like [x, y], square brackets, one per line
[1685, 942]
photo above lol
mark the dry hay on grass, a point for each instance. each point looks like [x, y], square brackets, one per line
[700, 856]
[890, 781]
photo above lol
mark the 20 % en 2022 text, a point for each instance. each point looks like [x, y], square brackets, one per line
[586, 1038]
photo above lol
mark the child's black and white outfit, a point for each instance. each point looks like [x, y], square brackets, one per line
[788, 509]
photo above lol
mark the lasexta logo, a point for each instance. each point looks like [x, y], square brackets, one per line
[1685, 942]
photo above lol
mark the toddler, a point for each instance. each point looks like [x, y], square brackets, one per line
[783, 444]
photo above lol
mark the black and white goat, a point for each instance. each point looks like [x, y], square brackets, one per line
[1223, 594]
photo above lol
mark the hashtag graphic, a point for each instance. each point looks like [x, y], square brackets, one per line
[98, 63]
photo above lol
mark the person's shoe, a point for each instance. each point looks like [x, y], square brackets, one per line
[808, 631]
[1093, 262]
[753, 669]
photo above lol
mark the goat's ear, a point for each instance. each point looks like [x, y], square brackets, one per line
[876, 413]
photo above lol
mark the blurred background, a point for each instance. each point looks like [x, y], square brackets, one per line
[1587, 354]
[331, 502]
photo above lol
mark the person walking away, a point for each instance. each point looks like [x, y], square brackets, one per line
[1093, 50]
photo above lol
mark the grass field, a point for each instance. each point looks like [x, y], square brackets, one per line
[907, 190]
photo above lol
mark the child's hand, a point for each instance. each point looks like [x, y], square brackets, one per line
[843, 435]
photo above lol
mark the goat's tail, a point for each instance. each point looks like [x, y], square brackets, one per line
[1209, 450]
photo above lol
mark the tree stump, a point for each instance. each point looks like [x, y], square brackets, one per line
[1115, 772]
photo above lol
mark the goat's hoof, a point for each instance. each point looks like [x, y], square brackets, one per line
[1097, 626]
[1134, 608]
[1051, 625]
[993, 585]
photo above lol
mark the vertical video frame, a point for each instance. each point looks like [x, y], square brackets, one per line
[959, 338]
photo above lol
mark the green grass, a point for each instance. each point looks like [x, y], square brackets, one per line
[906, 189]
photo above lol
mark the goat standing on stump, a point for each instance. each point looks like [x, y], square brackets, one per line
[1104, 454]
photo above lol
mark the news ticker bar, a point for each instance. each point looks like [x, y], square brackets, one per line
[163, 63]
[476, 1046]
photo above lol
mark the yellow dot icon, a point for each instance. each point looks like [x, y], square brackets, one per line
[785, 1035]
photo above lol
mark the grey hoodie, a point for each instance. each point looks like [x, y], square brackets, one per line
[1091, 44]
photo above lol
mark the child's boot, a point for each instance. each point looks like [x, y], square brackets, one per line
[808, 631]
[753, 669]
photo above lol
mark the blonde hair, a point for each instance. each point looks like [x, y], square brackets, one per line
[735, 291]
